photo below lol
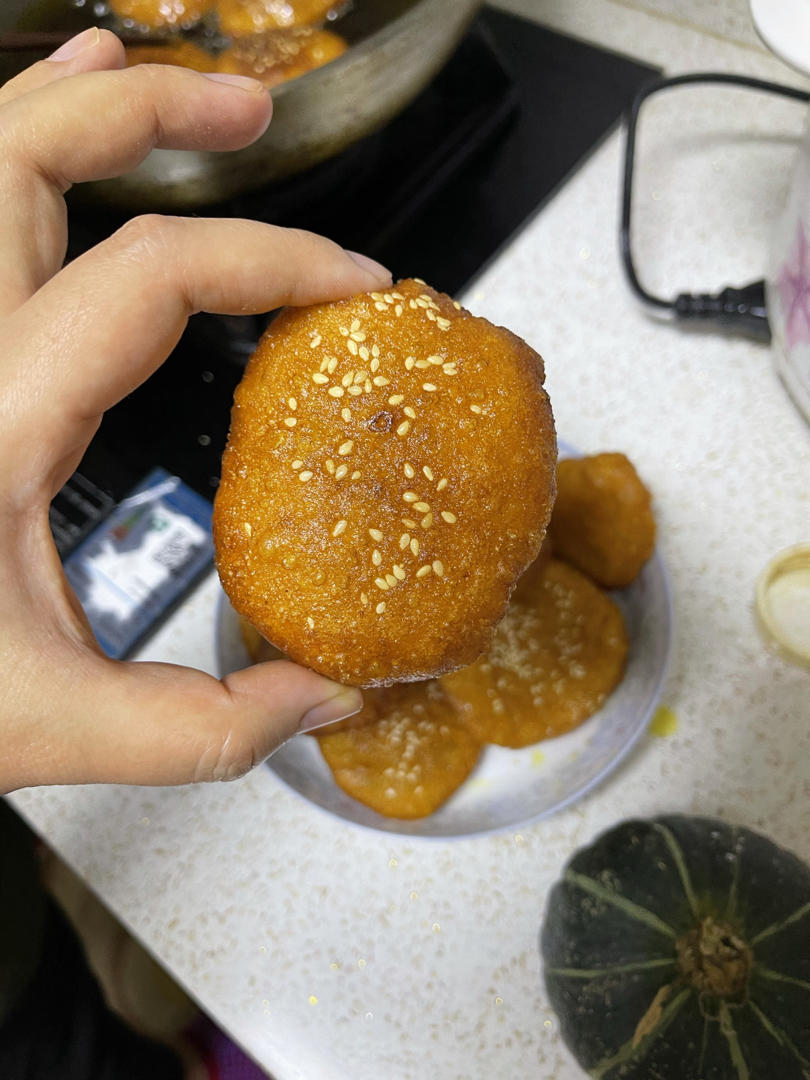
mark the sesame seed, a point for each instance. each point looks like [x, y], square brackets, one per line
[427, 520]
[367, 386]
[355, 391]
[344, 332]
[391, 580]
[304, 476]
[376, 557]
[421, 302]
[414, 546]
[379, 305]
[355, 325]
[292, 403]
[398, 310]
[404, 540]
[409, 470]
[331, 365]
[330, 465]
[410, 496]
[315, 341]
[412, 304]
[436, 360]
[421, 507]
[422, 364]
[426, 297]
[341, 471]
[476, 409]
[438, 568]
[409, 362]
[375, 363]
[431, 315]
[320, 379]
[375, 351]
[346, 414]
[457, 305]
[410, 411]
[449, 517]
[345, 448]
[449, 369]
[380, 380]
[248, 528]
[404, 428]
[409, 523]
[381, 583]
[324, 362]
[426, 469]
[340, 527]
[297, 463]
[429, 386]
[290, 421]
[352, 347]
[443, 324]
[423, 571]
[363, 598]
[360, 377]
[388, 298]
[356, 474]
[397, 296]
[336, 391]
[419, 281]
[376, 296]
[442, 484]
[310, 622]
[380, 608]
[375, 534]
[363, 353]
[347, 379]
[396, 399]
[399, 573]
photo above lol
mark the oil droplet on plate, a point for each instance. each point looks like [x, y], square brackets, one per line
[361, 963]
[499, 1001]
[664, 722]
[312, 999]
[538, 757]
[435, 928]
[414, 895]
[393, 864]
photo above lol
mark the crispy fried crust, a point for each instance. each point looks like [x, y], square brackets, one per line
[238, 18]
[602, 521]
[405, 754]
[555, 657]
[389, 474]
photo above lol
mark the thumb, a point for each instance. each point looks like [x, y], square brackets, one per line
[151, 723]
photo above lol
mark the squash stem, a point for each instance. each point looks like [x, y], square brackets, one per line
[715, 961]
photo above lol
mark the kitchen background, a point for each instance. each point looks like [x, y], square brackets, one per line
[331, 951]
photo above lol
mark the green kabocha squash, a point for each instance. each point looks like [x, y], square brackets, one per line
[679, 949]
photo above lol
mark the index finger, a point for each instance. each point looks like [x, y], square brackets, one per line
[94, 126]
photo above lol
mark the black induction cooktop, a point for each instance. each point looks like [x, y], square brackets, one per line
[436, 194]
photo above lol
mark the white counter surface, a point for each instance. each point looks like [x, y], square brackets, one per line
[335, 953]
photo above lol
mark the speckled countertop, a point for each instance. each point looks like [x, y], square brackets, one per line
[333, 952]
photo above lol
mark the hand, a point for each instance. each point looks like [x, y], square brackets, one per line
[75, 341]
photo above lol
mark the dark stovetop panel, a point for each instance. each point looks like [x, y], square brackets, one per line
[436, 194]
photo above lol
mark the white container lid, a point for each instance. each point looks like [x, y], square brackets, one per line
[784, 26]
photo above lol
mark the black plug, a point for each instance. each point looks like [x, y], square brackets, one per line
[740, 310]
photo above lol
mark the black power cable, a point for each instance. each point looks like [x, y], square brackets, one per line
[742, 310]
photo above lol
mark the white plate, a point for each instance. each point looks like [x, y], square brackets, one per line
[508, 788]
[784, 26]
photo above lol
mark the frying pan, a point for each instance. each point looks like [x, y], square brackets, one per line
[396, 47]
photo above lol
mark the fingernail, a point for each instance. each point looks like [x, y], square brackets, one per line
[242, 81]
[369, 265]
[346, 702]
[85, 40]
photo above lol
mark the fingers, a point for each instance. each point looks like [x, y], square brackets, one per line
[99, 124]
[144, 723]
[92, 50]
[106, 321]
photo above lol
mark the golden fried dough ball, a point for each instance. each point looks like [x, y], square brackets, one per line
[180, 53]
[389, 474]
[160, 13]
[405, 753]
[282, 55]
[602, 521]
[240, 18]
[555, 657]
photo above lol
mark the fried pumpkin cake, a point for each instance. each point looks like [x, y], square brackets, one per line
[405, 753]
[555, 657]
[240, 18]
[389, 474]
[603, 521]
